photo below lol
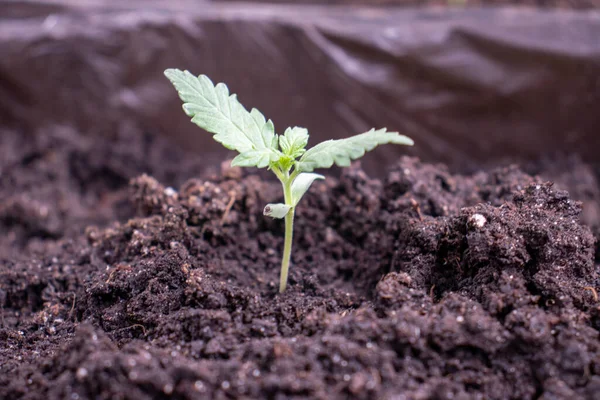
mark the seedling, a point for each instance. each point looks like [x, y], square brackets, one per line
[213, 109]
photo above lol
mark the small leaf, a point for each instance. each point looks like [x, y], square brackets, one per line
[301, 185]
[213, 109]
[278, 210]
[254, 158]
[293, 142]
[342, 151]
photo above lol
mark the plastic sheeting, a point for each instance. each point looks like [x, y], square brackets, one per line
[469, 85]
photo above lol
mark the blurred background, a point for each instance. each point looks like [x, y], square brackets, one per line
[472, 82]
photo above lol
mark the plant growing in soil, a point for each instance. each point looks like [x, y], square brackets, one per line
[213, 109]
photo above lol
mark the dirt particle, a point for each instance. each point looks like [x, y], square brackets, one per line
[168, 389]
[477, 220]
[199, 386]
[593, 291]
[81, 373]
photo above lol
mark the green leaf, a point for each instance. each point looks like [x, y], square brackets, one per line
[278, 210]
[342, 151]
[293, 142]
[252, 158]
[213, 109]
[301, 185]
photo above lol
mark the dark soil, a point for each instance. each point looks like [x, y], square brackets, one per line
[422, 285]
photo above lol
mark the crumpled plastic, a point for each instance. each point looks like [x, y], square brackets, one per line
[471, 86]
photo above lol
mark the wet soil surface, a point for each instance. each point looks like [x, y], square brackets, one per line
[127, 272]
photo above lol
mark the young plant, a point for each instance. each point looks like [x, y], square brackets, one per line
[213, 109]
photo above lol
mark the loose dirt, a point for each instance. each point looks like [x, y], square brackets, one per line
[129, 271]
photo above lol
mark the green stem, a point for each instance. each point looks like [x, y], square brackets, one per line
[287, 250]
[289, 233]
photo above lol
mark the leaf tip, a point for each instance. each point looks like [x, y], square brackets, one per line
[409, 141]
[187, 108]
[171, 73]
